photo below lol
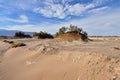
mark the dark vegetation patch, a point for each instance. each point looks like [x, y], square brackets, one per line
[21, 35]
[10, 42]
[43, 35]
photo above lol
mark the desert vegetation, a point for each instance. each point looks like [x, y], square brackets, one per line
[71, 33]
[42, 35]
[10, 42]
[71, 28]
[18, 44]
[14, 44]
[21, 35]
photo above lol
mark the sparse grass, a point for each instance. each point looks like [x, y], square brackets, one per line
[10, 42]
[15, 44]
[18, 44]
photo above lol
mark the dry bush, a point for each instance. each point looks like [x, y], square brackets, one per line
[43, 35]
[21, 35]
[10, 42]
[18, 44]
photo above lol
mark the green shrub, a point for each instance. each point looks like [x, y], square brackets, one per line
[21, 35]
[72, 28]
[43, 35]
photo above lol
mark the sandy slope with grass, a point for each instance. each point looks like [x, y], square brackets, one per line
[61, 60]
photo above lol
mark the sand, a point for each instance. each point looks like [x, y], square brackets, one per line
[61, 60]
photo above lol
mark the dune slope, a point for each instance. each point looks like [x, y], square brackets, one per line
[61, 60]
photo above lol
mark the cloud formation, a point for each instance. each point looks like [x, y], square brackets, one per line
[62, 9]
[97, 10]
[54, 8]
[65, 8]
[22, 19]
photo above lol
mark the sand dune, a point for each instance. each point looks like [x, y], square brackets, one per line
[61, 60]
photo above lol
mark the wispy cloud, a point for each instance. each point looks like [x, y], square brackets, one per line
[62, 11]
[22, 19]
[98, 10]
[54, 8]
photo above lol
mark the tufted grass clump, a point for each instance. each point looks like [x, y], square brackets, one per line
[18, 44]
[10, 42]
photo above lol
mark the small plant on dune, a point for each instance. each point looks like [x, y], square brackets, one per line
[75, 28]
[85, 33]
[62, 30]
[42, 35]
[18, 44]
[72, 28]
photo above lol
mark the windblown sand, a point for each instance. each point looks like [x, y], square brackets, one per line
[61, 60]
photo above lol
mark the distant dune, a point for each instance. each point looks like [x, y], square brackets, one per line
[61, 60]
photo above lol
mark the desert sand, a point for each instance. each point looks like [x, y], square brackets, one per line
[61, 60]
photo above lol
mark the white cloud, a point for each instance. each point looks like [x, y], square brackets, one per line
[79, 9]
[53, 8]
[76, 9]
[62, 11]
[97, 10]
[22, 19]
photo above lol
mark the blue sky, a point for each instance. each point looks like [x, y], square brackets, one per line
[97, 17]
